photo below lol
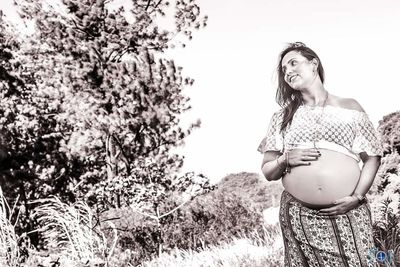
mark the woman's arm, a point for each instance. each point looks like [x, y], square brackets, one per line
[368, 172]
[371, 163]
[273, 165]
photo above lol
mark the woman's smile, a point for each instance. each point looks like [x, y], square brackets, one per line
[293, 78]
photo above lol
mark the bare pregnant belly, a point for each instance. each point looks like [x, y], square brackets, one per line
[333, 176]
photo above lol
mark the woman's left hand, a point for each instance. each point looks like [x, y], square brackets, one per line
[341, 206]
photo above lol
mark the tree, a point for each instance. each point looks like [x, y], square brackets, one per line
[31, 164]
[98, 108]
[386, 189]
[389, 129]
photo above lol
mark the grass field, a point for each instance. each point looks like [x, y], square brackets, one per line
[255, 251]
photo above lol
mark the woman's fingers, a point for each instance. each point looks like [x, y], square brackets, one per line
[303, 156]
[303, 163]
[308, 157]
[312, 152]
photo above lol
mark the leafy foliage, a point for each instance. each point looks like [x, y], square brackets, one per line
[209, 219]
[90, 107]
[264, 194]
[385, 194]
[389, 129]
[31, 163]
[120, 105]
[387, 227]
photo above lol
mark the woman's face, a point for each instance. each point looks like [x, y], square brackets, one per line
[298, 71]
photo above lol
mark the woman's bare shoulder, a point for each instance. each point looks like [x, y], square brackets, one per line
[348, 103]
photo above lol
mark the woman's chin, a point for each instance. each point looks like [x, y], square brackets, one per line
[296, 87]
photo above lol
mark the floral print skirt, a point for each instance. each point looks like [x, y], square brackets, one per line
[319, 240]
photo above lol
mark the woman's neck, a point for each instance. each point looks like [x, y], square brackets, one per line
[315, 96]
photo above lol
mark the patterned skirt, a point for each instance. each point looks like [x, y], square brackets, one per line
[317, 240]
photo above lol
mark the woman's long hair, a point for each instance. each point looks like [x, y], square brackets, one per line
[288, 98]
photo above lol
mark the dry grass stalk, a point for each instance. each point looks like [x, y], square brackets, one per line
[73, 230]
[9, 250]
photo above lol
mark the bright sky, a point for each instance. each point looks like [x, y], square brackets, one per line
[234, 58]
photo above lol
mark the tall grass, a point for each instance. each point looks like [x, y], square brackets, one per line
[255, 250]
[72, 230]
[387, 229]
[74, 239]
[9, 250]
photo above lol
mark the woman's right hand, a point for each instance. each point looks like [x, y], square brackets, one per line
[299, 156]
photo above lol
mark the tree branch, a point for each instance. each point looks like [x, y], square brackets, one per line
[145, 214]
[124, 156]
[159, 216]
[98, 56]
[148, 5]
[119, 55]
[173, 210]
[82, 30]
[159, 2]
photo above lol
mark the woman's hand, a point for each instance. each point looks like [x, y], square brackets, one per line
[303, 156]
[342, 206]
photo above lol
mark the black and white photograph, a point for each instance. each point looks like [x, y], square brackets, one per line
[199, 133]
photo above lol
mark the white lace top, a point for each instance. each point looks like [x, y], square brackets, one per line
[339, 129]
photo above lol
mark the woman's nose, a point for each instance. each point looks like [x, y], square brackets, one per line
[290, 69]
[288, 73]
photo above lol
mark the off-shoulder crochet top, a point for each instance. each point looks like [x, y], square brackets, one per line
[339, 129]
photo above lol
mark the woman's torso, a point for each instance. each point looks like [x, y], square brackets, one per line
[336, 172]
[333, 176]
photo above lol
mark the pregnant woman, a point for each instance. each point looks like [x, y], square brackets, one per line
[315, 143]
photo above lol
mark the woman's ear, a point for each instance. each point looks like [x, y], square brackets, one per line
[315, 62]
